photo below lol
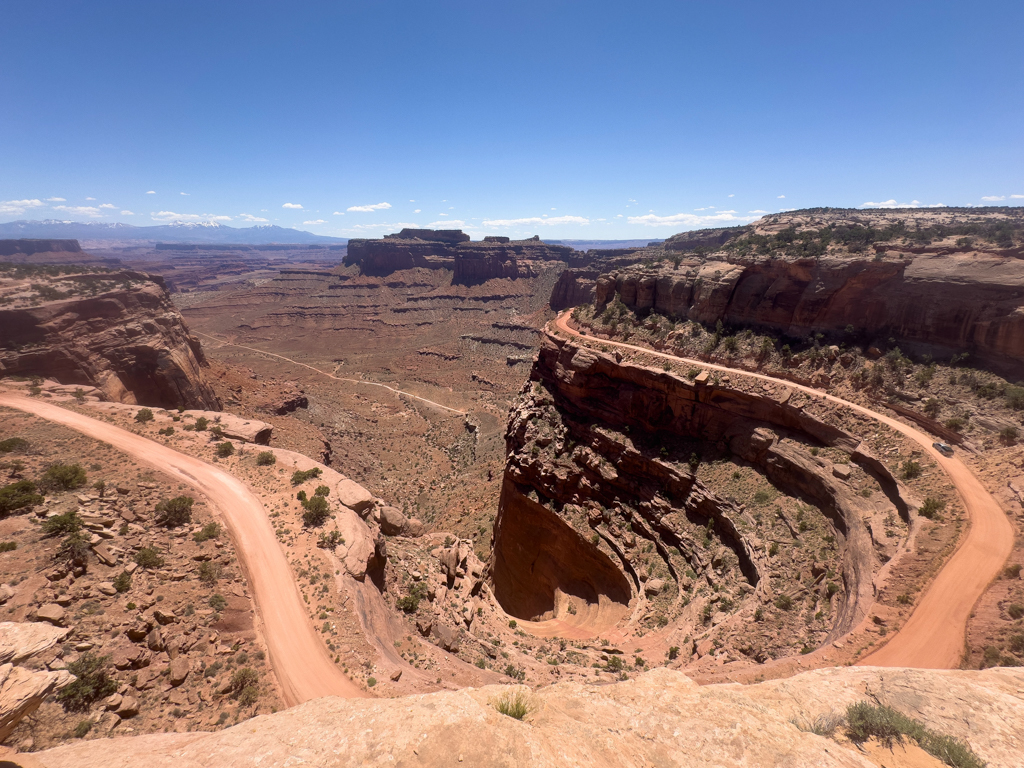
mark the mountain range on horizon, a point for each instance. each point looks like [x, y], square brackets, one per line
[174, 231]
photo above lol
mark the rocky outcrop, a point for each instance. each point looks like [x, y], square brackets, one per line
[600, 493]
[23, 690]
[661, 718]
[959, 294]
[117, 331]
[470, 262]
[29, 247]
[21, 639]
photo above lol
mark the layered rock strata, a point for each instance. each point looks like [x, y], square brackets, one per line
[117, 331]
[601, 508]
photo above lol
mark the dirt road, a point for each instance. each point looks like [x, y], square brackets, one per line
[299, 657]
[933, 637]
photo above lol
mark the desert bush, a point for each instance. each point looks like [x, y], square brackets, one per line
[784, 602]
[209, 572]
[300, 476]
[822, 725]
[144, 415]
[1016, 611]
[62, 525]
[931, 507]
[225, 449]
[889, 727]
[245, 686]
[209, 531]
[217, 602]
[13, 444]
[63, 477]
[8, 546]
[265, 458]
[1015, 398]
[82, 729]
[92, 682]
[122, 582]
[174, 512]
[316, 512]
[321, 490]
[201, 424]
[18, 495]
[73, 550]
[956, 423]
[330, 540]
[910, 470]
[932, 407]
[1012, 571]
[148, 559]
[514, 703]
[1009, 435]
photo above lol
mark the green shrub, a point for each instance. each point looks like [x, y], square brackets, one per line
[144, 415]
[910, 470]
[322, 490]
[1015, 398]
[299, 476]
[82, 729]
[408, 603]
[245, 686]
[209, 572]
[217, 602]
[1016, 611]
[889, 727]
[148, 559]
[225, 449]
[174, 512]
[62, 525]
[201, 424]
[1009, 435]
[63, 477]
[371, 681]
[13, 444]
[209, 531]
[8, 546]
[122, 582]
[316, 512]
[513, 703]
[931, 508]
[92, 683]
[762, 496]
[673, 653]
[330, 540]
[784, 602]
[956, 423]
[74, 550]
[18, 495]
[265, 458]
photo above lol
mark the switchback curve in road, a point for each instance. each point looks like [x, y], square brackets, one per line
[331, 375]
[934, 635]
[298, 655]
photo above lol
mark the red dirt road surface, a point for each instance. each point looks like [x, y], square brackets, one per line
[299, 657]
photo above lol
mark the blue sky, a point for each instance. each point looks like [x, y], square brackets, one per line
[565, 119]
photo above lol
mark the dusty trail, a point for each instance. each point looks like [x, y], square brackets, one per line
[299, 657]
[933, 637]
[331, 375]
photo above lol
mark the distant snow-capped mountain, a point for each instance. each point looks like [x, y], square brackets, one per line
[177, 231]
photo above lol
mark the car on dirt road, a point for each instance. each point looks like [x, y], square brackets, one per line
[942, 448]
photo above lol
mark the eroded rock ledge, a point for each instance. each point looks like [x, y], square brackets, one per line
[602, 513]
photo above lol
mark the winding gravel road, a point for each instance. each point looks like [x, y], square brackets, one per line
[934, 636]
[297, 653]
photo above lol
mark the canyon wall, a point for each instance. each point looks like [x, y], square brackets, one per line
[27, 247]
[117, 331]
[471, 262]
[602, 508]
[956, 301]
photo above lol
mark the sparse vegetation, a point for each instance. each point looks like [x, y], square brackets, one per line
[63, 477]
[122, 582]
[300, 476]
[92, 682]
[209, 531]
[889, 726]
[172, 513]
[225, 449]
[316, 512]
[931, 508]
[265, 459]
[18, 495]
[144, 415]
[514, 703]
[910, 470]
[148, 559]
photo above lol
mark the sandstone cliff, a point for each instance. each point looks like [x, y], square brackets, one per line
[661, 718]
[470, 262]
[117, 331]
[617, 466]
[951, 279]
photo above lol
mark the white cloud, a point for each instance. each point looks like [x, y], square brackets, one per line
[412, 201]
[338, 213]
[758, 212]
[416, 211]
[618, 215]
[364, 229]
[369, 208]
[108, 205]
[183, 193]
[1017, 197]
[732, 195]
[536, 220]
[993, 198]
[166, 216]
[894, 204]
[317, 221]
[706, 208]
[781, 197]
[56, 200]
[554, 209]
[79, 210]
[292, 205]
[151, 192]
[90, 198]
[18, 206]
[442, 214]
[127, 213]
[448, 224]
[249, 217]
[689, 220]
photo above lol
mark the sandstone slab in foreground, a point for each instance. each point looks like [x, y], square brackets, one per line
[662, 718]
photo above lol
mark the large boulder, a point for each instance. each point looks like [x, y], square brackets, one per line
[392, 521]
[22, 691]
[22, 639]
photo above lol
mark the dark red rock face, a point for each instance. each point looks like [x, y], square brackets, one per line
[131, 343]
